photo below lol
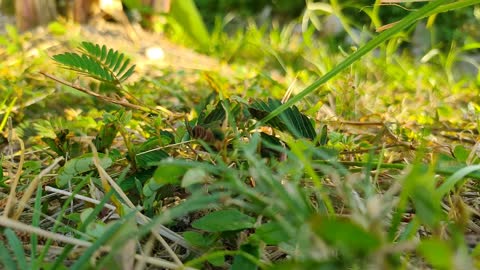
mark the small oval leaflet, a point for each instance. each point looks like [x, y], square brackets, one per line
[80, 165]
[224, 220]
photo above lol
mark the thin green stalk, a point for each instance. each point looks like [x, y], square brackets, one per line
[7, 113]
[462, 172]
[36, 223]
[372, 44]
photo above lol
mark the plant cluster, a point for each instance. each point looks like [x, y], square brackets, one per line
[243, 181]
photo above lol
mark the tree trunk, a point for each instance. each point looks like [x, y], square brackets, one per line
[82, 10]
[31, 13]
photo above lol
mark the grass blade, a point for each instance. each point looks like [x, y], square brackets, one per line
[90, 218]
[17, 248]
[83, 261]
[36, 223]
[455, 178]
[6, 258]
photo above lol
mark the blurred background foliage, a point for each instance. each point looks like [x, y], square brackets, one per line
[448, 27]
[353, 15]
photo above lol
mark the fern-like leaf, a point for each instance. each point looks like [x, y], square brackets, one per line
[291, 120]
[98, 62]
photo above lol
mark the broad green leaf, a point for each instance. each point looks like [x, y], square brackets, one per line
[96, 229]
[271, 233]
[419, 185]
[307, 264]
[197, 239]
[215, 116]
[166, 138]
[268, 145]
[187, 16]
[217, 261]
[461, 154]
[194, 176]
[344, 235]
[241, 263]
[105, 137]
[438, 253]
[291, 120]
[323, 139]
[148, 153]
[80, 165]
[224, 220]
[164, 174]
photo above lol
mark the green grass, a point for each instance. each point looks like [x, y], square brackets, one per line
[371, 163]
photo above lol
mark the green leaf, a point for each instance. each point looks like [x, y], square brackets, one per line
[105, 137]
[269, 146]
[456, 177]
[308, 264]
[197, 239]
[240, 262]
[323, 136]
[271, 233]
[118, 63]
[2, 179]
[217, 261]
[449, 165]
[127, 74]
[17, 248]
[57, 28]
[84, 260]
[187, 16]
[6, 258]
[164, 174]
[343, 234]
[419, 185]
[98, 62]
[166, 138]
[291, 120]
[124, 66]
[147, 155]
[216, 116]
[224, 220]
[437, 253]
[80, 165]
[103, 54]
[461, 154]
[194, 176]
